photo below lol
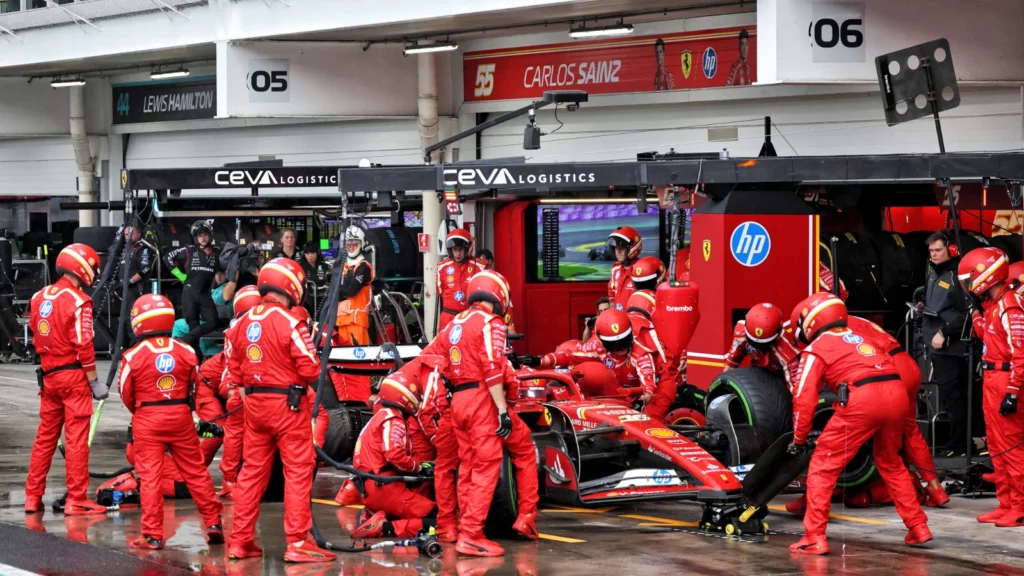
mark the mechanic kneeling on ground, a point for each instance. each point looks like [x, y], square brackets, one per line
[872, 405]
[158, 376]
[61, 322]
[273, 358]
[1000, 324]
[201, 262]
[943, 323]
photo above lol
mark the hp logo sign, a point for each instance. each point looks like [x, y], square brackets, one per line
[710, 63]
[750, 244]
[164, 363]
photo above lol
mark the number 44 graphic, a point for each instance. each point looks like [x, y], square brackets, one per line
[122, 104]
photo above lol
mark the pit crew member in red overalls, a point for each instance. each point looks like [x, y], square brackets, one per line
[760, 335]
[877, 407]
[641, 306]
[646, 274]
[475, 345]
[984, 273]
[234, 424]
[453, 274]
[384, 448]
[613, 345]
[61, 322]
[156, 385]
[272, 356]
[627, 244]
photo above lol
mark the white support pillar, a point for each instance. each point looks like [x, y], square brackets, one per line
[428, 121]
[83, 155]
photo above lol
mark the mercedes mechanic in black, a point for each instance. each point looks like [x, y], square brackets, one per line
[196, 265]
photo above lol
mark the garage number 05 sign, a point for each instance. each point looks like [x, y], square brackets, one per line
[267, 80]
[837, 32]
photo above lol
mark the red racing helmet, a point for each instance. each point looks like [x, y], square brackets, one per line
[817, 313]
[983, 268]
[614, 330]
[80, 261]
[641, 301]
[152, 313]
[490, 286]
[595, 379]
[1016, 275]
[284, 276]
[395, 394]
[245, 298]
[648, 269]
[763, 323]
[569, 346]
[627, 236]
[459, 237]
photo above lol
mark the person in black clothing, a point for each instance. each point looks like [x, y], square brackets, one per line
[201, 262]
[944, 325]
[317, 271]
[288, 247]
[138, 265]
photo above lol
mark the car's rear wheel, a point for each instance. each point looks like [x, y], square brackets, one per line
[505, 503]
[340, 440]
[766, 403]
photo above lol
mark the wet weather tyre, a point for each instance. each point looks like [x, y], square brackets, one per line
[340, 441]
[765, 401]
[275, 487]
[505, 504]
[861, 470]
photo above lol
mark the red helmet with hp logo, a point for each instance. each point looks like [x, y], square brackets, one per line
[283, 276]
[1016, 276]
[152, 314]
[614, 330]
[80, 261]
[817, 313]
[627, 236]
[763, 323]
[490, 286]
[983, 268]
[245, 298]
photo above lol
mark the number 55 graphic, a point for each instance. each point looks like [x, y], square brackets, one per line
[484, 80]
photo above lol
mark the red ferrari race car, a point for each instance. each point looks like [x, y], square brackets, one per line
[595, 448]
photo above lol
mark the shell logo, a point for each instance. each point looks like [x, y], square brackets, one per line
[412, 387]
[660, 433]
[455, 355]
[866, 349]
[43, 327]
[165, 383]
[254, 353]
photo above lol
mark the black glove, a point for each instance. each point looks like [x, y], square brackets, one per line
[529, 361]
[1009, 405]
[973, 303]
[209, 429]
[504, 425]
[591, 322]
[796, 449]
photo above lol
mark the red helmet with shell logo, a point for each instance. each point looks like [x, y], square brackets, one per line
[817, 313]
[627, 236]
[245, 299]
[490, 286]
[81, 261]
[983, 268]
[641, 301]
[282, 276]
[1016, 276]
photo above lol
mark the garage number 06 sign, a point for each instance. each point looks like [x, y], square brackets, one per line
[837, 32]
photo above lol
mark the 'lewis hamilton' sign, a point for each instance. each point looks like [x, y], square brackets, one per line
[162, 102]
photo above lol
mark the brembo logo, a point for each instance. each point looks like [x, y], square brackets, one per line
[679, 308]
[505, 177]
[268, 178]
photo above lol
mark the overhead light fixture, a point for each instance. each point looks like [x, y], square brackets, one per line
[67, 82]
[445, 46]
[159, 75]
[613, 30]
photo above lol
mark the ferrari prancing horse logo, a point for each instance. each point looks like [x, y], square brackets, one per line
[707, 250]
[687, 64]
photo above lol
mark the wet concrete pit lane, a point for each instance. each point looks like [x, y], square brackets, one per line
[652, 538]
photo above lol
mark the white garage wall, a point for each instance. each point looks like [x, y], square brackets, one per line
[319, 144]
[987, 119]
[37, 167]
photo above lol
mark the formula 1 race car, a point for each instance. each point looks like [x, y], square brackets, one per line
[597, 449]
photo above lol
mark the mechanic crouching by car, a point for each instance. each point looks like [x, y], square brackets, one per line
[872, 405]
[453, 274]
[1000, 324]
[614, 346]
[760, 336]
[61, 322]
[273, 358]
[943, 323]
[157, 385]
[196, 266]
[627, 244]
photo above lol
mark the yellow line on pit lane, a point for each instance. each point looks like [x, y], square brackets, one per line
[335, 504]
[656, 521]
[706, 363]
[841, 517]
[561, 539]
[568, 510]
